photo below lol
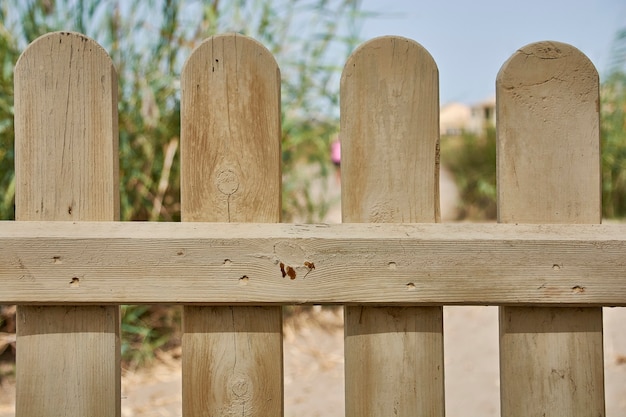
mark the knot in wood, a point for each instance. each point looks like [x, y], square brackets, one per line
[290, 253]
[239, 386]
[227, 181]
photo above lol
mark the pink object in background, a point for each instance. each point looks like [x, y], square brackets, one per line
[335, 152]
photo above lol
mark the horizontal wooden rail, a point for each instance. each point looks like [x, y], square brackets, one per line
[256, 264]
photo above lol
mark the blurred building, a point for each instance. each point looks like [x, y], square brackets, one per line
[456, 118]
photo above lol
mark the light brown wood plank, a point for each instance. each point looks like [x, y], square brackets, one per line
[551, 359]
[230, 162]
[390, 173]
[230, 121]
[206, 262]
[66, 167]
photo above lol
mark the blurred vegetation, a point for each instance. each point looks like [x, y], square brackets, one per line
[613, 128]
[613, 125]
[471, 159]
[147, 329]
[149, 42]
[9, 52]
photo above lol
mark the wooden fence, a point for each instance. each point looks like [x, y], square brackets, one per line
[549, 264]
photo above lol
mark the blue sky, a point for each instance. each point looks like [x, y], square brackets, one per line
[470, 40]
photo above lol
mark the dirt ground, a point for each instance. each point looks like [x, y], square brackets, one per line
[314, 382]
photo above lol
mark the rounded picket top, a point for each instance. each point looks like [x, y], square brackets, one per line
[230, 131]
[548, 125]
[60, 41]
[390, 132]
[229, 46]
[384, 45]
[66, 117]
[547, 61]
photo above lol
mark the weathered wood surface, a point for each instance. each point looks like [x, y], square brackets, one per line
[551, 360]
[390, 173]
[66, 167]
[230, 159]
[128, 263]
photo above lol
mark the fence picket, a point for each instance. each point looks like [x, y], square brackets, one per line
[390, 173]
[230, 163]
[66, 167]
[549, 172]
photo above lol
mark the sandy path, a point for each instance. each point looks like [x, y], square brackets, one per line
[314, 369]
[314, 383]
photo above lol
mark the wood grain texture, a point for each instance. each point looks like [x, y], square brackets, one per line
[390, 133]
[230, 119]
[390, 173]
[66, 147]
[421, 264]
[551, 360]
[230, 165]
[66, 167]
